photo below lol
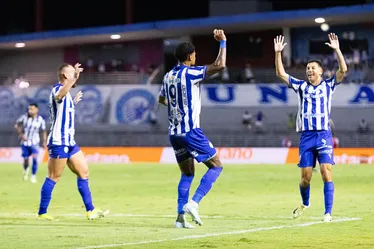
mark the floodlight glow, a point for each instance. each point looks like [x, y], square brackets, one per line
[20, 45]
[319, 20]
[115, 37]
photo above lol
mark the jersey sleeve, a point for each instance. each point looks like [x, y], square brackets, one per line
[331, 82]
[294, 83]
[54, 92]
[162, 90]
[196, 74]
[42, 126]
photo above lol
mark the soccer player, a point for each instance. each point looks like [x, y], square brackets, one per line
[62, 147]
[28, 127]
[180, 92]
[313, 121]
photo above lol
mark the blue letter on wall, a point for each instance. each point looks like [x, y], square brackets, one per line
[221, 93]
[364, 95]
[267, 93]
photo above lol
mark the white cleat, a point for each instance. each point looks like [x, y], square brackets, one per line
[327, 218]
[182, 223]
[33, 179]
[26, 175]
[192, 209]
[299, 211]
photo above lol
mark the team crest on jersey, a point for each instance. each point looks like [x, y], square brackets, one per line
[134, 107]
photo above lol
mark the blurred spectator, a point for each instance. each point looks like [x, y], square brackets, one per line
[225, 75]
[101, 67]
[286, 142]
[90, 64]
[259, 123]
[248, 74]
[335, 142]
[363, 126]
[247, 119]
[291, 121]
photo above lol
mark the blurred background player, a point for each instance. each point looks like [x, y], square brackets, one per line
[313, 121]
[28, 127]
[62, 147]
[180, 92]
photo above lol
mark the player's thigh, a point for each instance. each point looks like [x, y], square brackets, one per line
[179, 146]
[307, 152]
[26, 151]
[78, 165]
[55, 168]
[35, 152]
[199, 146]
[187, 167]
[325, 148]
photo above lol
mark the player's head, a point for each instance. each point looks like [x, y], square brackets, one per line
[314, 70]
[66, 72]
[185, 53]
[33, 109]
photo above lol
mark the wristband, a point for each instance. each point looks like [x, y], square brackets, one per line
[222, 44]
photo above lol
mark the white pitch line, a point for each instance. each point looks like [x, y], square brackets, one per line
[216, 234]
[167, 216]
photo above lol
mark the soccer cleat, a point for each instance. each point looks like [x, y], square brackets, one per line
[327, 218]
[97, 213]
[192, 209]
[33, 179]
[45, 217]
[25, 174]
[182, 223]
[299, 211]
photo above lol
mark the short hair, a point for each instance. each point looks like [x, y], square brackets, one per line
[34, 104]
[61, 68]
[319, 62]
[183, 50]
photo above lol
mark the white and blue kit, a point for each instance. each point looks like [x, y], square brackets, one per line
[61, 142]
[181, 88]
[31, 130]
[313, 120]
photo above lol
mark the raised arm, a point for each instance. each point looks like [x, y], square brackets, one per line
[220, 62]
[279, 69]
[334, 44]
[61, 93]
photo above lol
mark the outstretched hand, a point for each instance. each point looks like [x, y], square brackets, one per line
[279, 43]
[78, 97]
[334, 41]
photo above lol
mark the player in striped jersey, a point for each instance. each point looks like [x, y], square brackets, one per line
[316, 143]
[180, 92]
[28, 127]
[62, 147]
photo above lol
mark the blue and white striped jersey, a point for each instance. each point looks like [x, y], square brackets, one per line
[314, 103]
[62, 119]
[181, 88]
[31, 129]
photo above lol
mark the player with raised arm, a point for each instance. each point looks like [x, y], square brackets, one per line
[62, 147]
[181, 93]
[313, 121]
[28, 127]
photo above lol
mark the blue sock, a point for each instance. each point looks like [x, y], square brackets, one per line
[85, 192]
[328, 191]
[34, 168]
[46, 195]
[305, 194]
[183, 191]
[206, 183]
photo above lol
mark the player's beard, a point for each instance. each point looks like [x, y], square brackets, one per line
[75, 84]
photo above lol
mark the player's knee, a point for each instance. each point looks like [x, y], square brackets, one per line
[213, 162]
[326, 173]
[54, 177]
[83, 174]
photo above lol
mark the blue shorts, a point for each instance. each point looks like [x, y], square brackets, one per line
[315, 145]
[29, 150]
[62, 151]
[192, 144]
